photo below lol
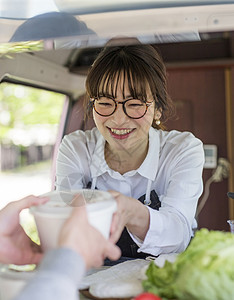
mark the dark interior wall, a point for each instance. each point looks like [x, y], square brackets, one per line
[199, 95]
[77, 119]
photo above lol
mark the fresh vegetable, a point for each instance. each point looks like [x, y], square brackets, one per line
[147, 296]
[205, 270]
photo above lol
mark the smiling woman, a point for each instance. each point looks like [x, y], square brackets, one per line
[156, 175]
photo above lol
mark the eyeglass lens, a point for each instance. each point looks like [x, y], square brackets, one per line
[134, 108]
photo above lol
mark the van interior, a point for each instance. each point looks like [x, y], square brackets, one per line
[196, 41]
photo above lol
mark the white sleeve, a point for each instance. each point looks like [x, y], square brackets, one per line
[171, 228]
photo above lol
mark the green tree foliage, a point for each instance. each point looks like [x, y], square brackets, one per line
[6, 49]
[21, 107]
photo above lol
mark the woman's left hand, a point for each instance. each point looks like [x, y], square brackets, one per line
[15, 246]
[130, 213]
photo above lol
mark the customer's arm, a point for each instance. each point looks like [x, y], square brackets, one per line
[57, 277]
[81, 247]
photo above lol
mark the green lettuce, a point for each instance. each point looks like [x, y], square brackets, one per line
[205, 270]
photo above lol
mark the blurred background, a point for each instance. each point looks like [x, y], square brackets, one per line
[29, 120]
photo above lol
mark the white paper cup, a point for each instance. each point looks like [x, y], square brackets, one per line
[50, 217]
[12, 282]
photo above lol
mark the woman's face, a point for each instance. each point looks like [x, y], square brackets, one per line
[122, 132]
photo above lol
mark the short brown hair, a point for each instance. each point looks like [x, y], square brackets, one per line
[141, 65]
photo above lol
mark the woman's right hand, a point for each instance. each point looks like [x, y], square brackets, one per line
[130, 213]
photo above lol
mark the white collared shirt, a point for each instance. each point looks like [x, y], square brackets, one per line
[173, 168]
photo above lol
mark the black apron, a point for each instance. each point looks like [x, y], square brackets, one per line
[127, 245]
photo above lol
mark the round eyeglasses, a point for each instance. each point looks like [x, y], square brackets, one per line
[133, 108]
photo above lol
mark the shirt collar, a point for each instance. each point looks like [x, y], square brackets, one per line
[99, 166]
[149, 167]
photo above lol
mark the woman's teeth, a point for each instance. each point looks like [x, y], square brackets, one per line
[121, 131]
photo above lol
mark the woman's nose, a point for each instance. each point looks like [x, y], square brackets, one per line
[119, 115]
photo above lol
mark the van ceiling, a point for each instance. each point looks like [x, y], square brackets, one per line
[216, 46]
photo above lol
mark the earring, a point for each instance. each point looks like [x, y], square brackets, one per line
[158, 122]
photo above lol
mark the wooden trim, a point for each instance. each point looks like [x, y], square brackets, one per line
[230, 133]
[209, 64]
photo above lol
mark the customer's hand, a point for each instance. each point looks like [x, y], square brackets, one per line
[130, 213]
[15, 246]
[78, 235]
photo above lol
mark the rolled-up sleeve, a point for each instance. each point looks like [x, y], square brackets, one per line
[181, 185]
